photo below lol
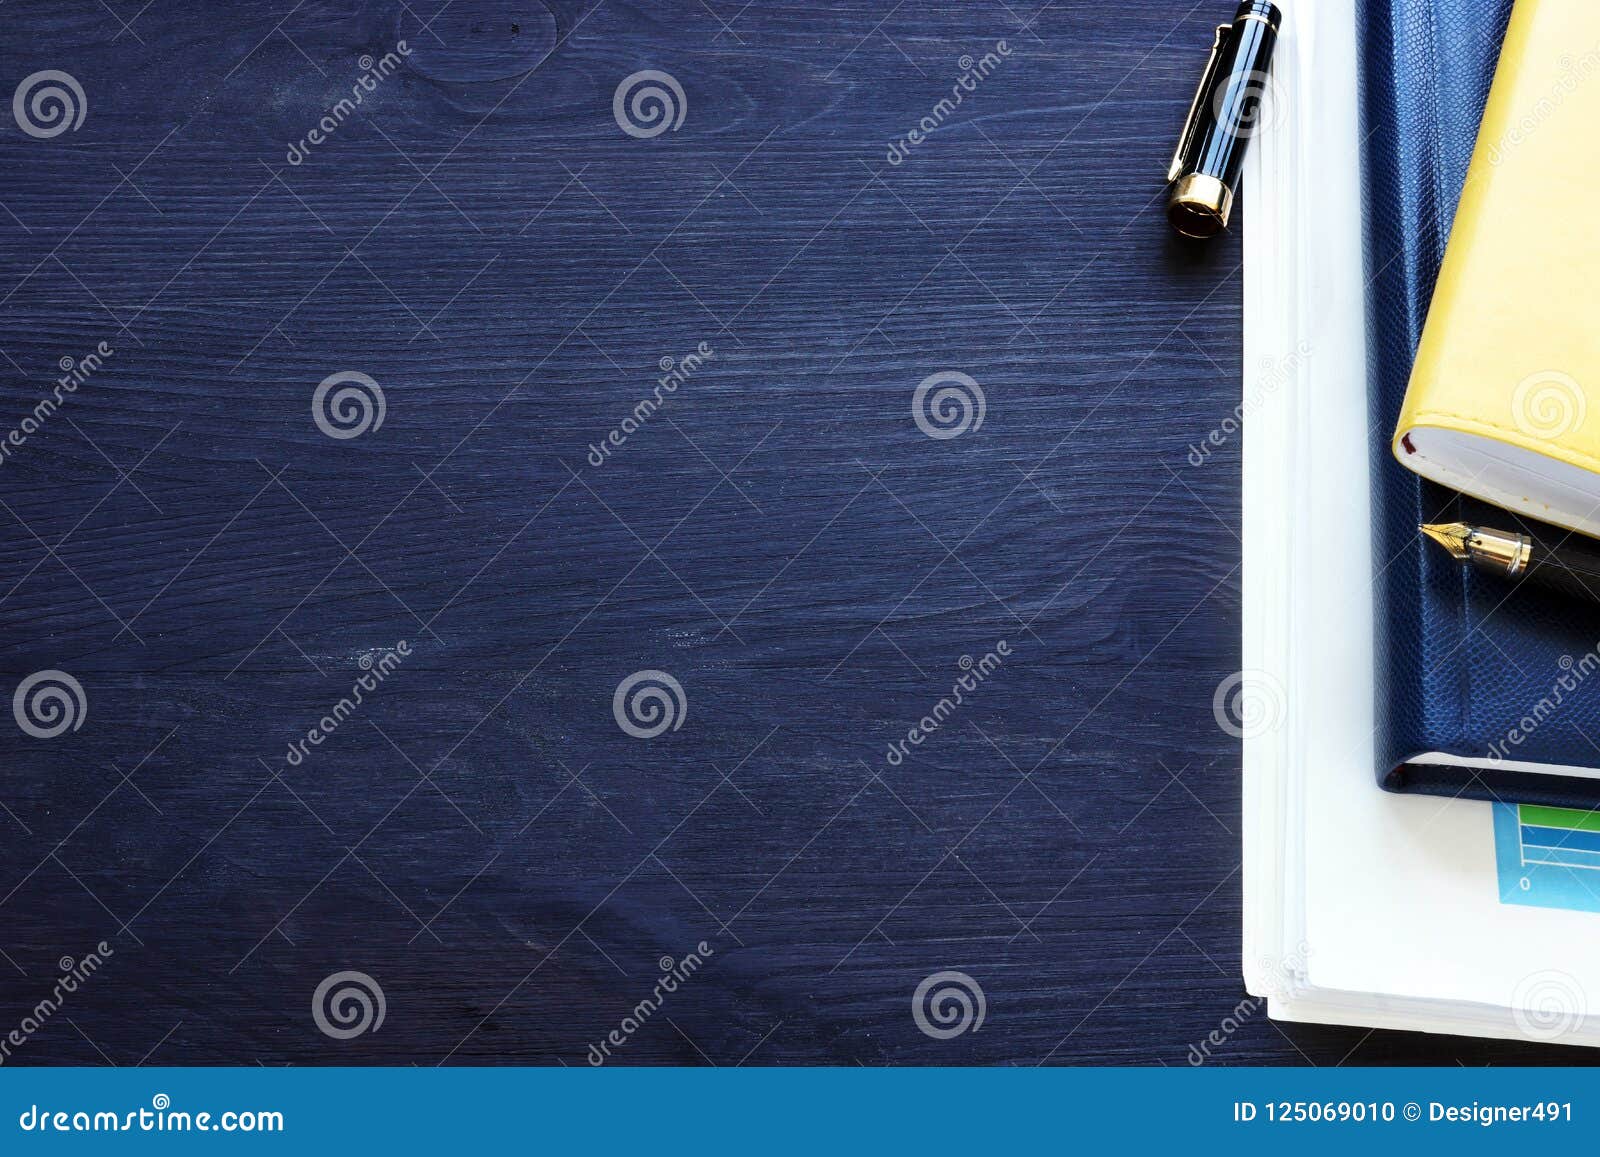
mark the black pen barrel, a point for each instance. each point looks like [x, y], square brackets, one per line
[1234, 103]
[1227, 112]
[1573, 567]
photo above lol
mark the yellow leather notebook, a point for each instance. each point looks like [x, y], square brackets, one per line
[1504, 398]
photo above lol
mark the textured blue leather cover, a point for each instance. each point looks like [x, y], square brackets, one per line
[1467, 665]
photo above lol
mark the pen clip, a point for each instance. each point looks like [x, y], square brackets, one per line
[1191, 122]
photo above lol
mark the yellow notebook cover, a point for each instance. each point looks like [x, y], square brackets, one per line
[1504, 398]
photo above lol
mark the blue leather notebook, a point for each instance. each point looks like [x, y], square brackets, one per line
[1485, 689]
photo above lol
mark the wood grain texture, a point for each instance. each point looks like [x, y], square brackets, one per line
[482, 239]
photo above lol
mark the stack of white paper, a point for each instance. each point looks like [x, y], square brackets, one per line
[1361, 907]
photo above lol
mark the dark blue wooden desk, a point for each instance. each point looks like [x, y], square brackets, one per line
[521, 267]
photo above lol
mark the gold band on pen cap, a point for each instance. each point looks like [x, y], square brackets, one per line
[1199, 206]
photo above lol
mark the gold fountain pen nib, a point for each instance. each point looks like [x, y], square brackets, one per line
[1453, 536]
